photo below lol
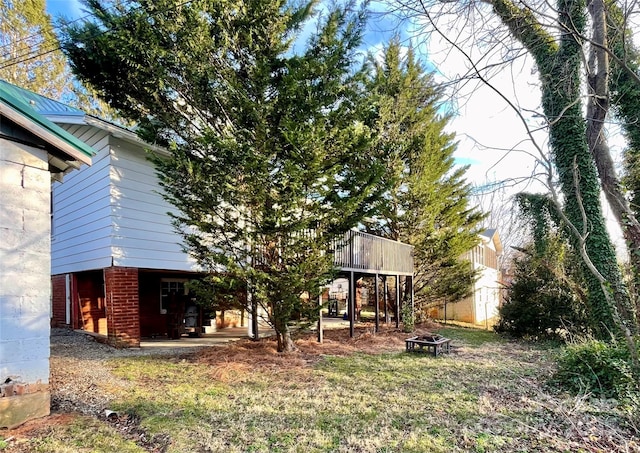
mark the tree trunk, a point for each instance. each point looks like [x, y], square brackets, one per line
[559, 63]
[597, 111]
[283, 332]
[285, 343]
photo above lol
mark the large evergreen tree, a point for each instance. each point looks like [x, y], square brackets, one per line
[427, 204]
[269, 161]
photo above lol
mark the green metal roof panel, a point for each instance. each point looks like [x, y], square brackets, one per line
[15, 98]
[40, 104]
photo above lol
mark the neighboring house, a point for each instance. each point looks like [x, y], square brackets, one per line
[116, 260]
[33, 150]
[481, 307]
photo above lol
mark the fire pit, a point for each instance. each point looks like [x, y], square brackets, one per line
[435, 344]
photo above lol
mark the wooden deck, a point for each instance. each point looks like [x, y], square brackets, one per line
[366, 253]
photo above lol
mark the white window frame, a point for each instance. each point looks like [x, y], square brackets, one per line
[163, 310]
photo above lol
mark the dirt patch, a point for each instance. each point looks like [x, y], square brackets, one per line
[33, 426]
[129, 427]
[17, 439]
[242, 356]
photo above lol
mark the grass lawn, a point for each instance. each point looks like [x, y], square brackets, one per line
[362, 395]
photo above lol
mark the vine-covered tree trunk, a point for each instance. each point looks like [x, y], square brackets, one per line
[599, 68]
[624, 91]
[559, 64]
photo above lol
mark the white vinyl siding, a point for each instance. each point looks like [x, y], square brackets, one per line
[144, 236]
[112, 214]
[487, 298]
[81, 213]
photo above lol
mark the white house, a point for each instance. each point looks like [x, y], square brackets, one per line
[481, 307]
[117, 265]
[115, 258]
[33, 150]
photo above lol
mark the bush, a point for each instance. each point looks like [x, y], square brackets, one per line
[408, 318]
[603, 369]
[542, 301]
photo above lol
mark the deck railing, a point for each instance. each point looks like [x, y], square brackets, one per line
[360, 251]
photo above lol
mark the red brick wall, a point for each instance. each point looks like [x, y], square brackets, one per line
[58, 300]
[123, 313]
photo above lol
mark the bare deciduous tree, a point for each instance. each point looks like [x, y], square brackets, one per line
[567, 43]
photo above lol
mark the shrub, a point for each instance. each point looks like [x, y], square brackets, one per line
[543, 300]
[408, 318]
[603, 369]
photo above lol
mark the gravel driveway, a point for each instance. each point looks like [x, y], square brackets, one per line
[79, 370]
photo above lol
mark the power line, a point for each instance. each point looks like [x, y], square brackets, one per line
[53, 29]
[27, 56]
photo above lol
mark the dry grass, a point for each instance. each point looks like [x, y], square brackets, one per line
[361, 394]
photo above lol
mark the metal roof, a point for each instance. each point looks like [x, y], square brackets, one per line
[40, 104]
[17, 106]
[60, 113]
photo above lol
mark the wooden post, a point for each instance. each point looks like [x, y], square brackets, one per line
[412, 297]
[352, 303]
[397, 301]
[376, 287]
[254, 318]
[320, 333]
[385, 296]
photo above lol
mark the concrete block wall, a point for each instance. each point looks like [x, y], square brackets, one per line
[123, 306]
[25, 285]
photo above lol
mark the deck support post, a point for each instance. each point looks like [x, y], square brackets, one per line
[320, 333]
[397, 308]
[377, 299]
[352, 303]
[413, 307]
[385, 296]
[254, 318]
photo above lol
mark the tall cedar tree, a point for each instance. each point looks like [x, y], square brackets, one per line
[427, 204]
[270, 162]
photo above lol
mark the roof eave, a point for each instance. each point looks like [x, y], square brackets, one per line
[126, 134]
[47, 134]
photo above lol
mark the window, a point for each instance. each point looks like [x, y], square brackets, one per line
[168, 286]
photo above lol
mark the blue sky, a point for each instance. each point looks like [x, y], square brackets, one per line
[70, 9]
[381, 28]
